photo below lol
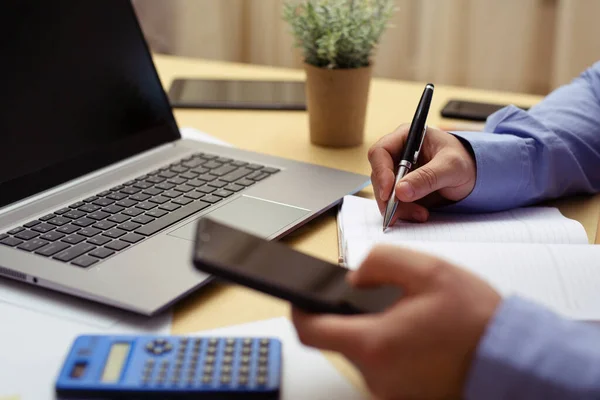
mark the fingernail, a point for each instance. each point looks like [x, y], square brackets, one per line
[406, 189]
[419, 216]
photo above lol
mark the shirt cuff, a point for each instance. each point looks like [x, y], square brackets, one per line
[503, 166]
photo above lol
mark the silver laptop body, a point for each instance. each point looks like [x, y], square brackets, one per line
[124, 207]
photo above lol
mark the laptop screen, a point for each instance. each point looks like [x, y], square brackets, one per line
[78, 92]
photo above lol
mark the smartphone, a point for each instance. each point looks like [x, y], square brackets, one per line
[237, 94]
[470, 110]
[275, 269]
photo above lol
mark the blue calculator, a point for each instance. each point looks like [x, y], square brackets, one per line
[171, 367]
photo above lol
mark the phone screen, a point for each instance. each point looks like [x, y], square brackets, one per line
[276, 269]
[237, 94]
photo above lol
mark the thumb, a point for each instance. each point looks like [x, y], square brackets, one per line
[428, 178]
[393, 265]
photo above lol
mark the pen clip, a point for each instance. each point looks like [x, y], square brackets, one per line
[420, 145]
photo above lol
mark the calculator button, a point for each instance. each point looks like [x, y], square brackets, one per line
[247, 342]
[208, 370]
[263, 360]
[264, 351]
[245, 360]
[264, 342]
[211, 350]
[246, 350]
[225, 379]
[160, 341]
[227, 359]
[168, 347]
[228, 350]
[229, 342]
[212, 342]
[244, 369]
[261, 380]
[226, 369]
[206, 379]
[243, 380]
[150, 347]
[197, 342]
[262, 370]
[209, 359]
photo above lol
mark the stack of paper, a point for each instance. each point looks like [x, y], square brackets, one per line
[534, 252]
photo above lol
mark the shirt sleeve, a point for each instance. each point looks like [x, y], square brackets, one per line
[528, 352]
[550, 151]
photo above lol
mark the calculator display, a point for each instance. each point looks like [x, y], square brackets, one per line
[115, 361]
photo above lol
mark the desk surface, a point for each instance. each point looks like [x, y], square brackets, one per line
[285, 134]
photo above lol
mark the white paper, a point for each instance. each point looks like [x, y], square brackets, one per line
[306, 372]
[362, 222]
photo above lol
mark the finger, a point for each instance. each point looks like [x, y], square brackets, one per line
[432, 176]
[409, 269]
[331, 332]
[412, 212]
[382, 173]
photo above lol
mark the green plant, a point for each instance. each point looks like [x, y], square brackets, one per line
[338, 33]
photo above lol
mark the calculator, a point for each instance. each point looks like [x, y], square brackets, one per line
[171, 367]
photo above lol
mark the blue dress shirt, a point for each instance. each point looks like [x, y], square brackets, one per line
[552, 150]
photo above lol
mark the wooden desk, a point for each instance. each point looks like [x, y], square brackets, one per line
[285, 134]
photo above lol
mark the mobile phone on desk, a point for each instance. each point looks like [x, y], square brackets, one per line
[275, 269]
[237, 94]
[171, 367]
[470, 110]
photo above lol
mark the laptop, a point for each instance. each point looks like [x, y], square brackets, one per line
[99, 194]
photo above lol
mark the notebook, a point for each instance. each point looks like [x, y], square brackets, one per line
[534, 252]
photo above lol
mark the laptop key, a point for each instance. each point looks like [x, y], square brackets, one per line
[152, 191]
[101, 253]
[113, 209]
[235, 175]
[239, 163]
[212, 164]
[179, 168]
[177, 180]
[167, 174]
[103, 202]
[195, 183]
[223, 170]
[146, 205]
[73, 239]
[245, 182]
[234, 187]
[200, 170]
[117, 196]
[84, 222]
[99, 215]
[253, 174]
[104, 225]
[117, 245]
[68, 229]
[142, 185]
[132, 238]
[171, 218]
[84, 261]
[261, 176]
[89, 232]
[156, 213]
[125, 203]
[116, 188]
[91, 199]
[52, 249]
[188, 175]
[89, 208]
[193, 163]
[206, 189]
[77, 205]
[142, 219]
[3, 236]
[208, 156]
[32, 245]
[211, 199]
[165, 186]
[207, 177]
[130, 190]
[52, 236]
[270, 170]
[169, 206]
[59, 221]
[223, 193]
[254, 166]
[62, 211]
[43, 228]
[31, 224]
[182, 201]
[193, 195]
[16, 230]
[11, 241]
[114, 233]
[171, 194]
[99, 240]
[183, 188]
[118, 218]
[133, 212]
[26, 235]
[159, 199]
[140, 197]
[217, 184]
[104, 193]
[74, 214]
[47, 217]
[129, 226]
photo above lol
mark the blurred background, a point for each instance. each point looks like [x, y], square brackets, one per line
[529, 46]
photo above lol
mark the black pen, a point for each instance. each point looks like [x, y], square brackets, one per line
[414, 141]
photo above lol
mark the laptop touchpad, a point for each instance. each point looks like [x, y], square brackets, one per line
[253, 215]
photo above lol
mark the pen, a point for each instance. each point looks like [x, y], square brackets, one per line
[412, 147]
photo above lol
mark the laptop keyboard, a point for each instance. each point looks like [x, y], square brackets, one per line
[91, 230]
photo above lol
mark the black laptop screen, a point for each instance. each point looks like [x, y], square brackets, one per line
[78, 91]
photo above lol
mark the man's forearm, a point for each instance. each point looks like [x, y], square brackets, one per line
[527, 352]
[552, 150]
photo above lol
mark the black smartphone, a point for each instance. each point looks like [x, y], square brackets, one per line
[275, 269]
[470, 110]
[237, 94]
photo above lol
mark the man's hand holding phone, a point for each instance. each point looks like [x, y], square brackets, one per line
[447, 173]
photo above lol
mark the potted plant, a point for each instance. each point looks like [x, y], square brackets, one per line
[337, 39]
